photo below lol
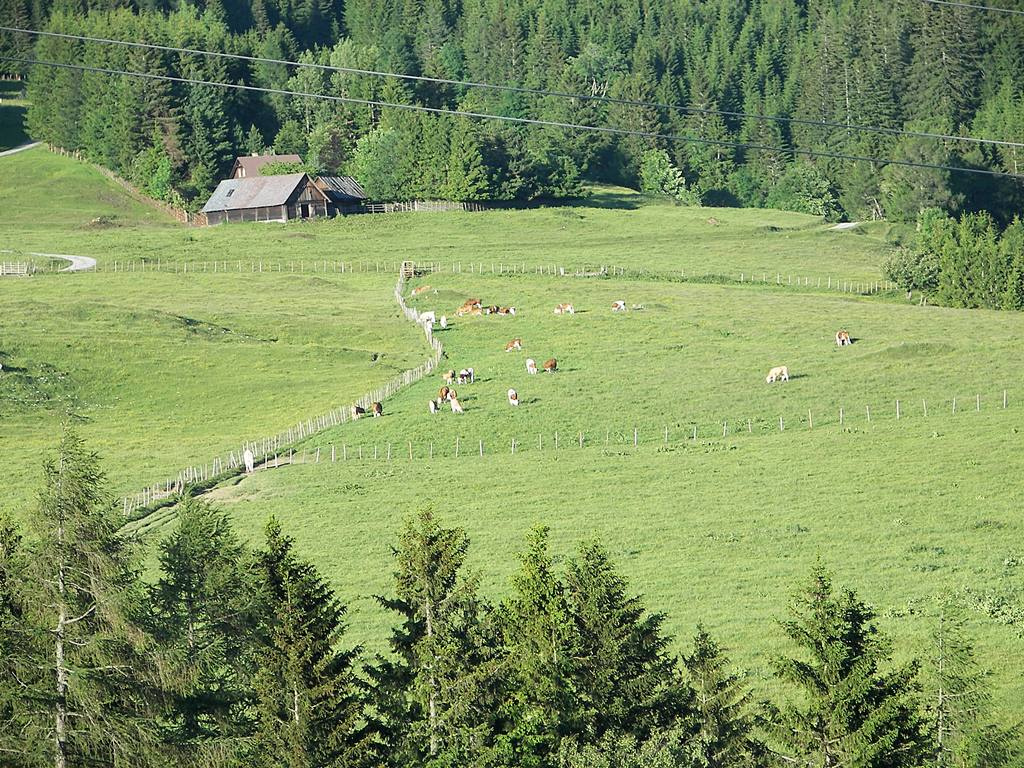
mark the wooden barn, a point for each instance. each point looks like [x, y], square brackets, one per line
[248, 166]
[265, 198]
[344, 195]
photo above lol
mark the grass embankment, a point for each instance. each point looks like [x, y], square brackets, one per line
[162, 371]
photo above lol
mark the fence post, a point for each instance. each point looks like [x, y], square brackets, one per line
[1004, 399]
[954, 406]
[481, 447]
[978, 407]
[456, 446]
[810, 421]
[666, 435]
[694, 433]
[897, 410]
[410, 450]
[581, 439]
[924, 407]
[634, 437]
[868, 408]
[782, 426]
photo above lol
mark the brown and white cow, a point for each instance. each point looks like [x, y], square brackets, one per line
[467, 376]
[506, 310]
[513, 397]
[843, 339]
[550, 365]
[531, 365]
[565, 309]
[357, 411]
[442, 394]
[618, 306]
[432, 405]
[514, 344]
[449, 377]
[378, 409]
[778, 373]
[421, 289]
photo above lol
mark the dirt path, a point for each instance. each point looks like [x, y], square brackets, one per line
[78, 263]
[22, 148]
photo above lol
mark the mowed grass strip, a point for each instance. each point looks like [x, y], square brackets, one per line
[51, 204]
[162, 371]
[717, 532]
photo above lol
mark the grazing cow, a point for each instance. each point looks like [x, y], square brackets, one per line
[444, 322]
[779, 373]
[449, 377]
[513, 397]
[378, 410]
[475, 311]
[357, 411]
[433, 406]
[619, 306]
[506, 310]
[843, 339]
[531, 365]
[428, 318]
[456, 405]
[442, 394]
[491, 310]
[421, 289]
[565, 309]
[550, 365]
[514, 344]
[467, 376]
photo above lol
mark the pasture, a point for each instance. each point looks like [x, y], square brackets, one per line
[161, 370]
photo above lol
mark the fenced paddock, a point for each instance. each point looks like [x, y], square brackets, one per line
[15, 269]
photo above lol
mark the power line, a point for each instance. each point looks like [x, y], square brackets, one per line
[530, 91]
[973, 7]
[517, 120]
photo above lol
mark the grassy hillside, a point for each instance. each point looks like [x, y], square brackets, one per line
[162, 371]
[910, 512]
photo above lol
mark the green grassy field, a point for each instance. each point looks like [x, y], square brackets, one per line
[52, 205]
[164, 370]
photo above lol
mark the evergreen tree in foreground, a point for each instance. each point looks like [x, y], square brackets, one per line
[309, 707]
[725, 735]
[92, 706]
[434, 700]
[203, 612]
[849, 712]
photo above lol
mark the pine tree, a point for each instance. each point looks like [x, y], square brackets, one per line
[15, 671]
[622, 675]
[850, 711]
[308, 703]
[203, 613]
[960, 700]
[725, 736]
[434, 702]
[82, 608]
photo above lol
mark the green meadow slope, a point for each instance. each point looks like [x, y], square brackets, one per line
[164, 370]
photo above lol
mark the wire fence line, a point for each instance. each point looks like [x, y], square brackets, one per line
[832, 283]
[139, 504]
[669, 436]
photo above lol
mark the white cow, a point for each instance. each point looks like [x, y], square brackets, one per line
[779, 373]
[444, 322]
[249, 460]
[433, 406]
[428, 318]
[455, 404]
[513, 397]
[619, 306]
[531, 365]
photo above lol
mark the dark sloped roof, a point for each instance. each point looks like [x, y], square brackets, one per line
[340, 188]
[253, 163]
[257, 192]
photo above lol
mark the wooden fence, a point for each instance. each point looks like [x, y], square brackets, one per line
[266, 448]
[831, 283]
[15, 269]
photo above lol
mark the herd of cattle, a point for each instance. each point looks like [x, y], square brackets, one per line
[475, 307]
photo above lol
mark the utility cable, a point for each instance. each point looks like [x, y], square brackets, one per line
[524, 90]
[974, 7]
[517, 120]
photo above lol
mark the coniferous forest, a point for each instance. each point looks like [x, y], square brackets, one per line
[907, 65]
[232, 656]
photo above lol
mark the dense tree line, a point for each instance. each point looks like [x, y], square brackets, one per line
[905, 64]
[231, 656]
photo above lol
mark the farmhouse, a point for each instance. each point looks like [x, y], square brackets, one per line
[265, 198]
[343, 193]
[249, 166]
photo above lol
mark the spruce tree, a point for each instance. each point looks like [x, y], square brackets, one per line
[15, 642]
[960, 703]
[203, 613]
[725, 717]
[308, 702]
[82, 608]
[434, 700]
[850, 710]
